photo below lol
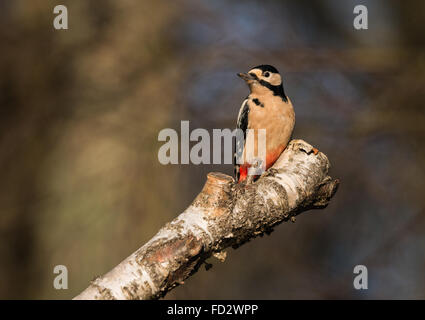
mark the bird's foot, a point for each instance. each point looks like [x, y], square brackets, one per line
[249, 179]
[270, 172]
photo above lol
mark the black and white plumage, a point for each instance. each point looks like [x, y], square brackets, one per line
[241, 123]
[266, 107]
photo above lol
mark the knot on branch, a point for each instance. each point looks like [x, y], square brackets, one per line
[216, 195]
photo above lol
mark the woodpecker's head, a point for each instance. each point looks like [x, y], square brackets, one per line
[264, 79]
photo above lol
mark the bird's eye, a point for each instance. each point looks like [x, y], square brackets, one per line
[266, 74]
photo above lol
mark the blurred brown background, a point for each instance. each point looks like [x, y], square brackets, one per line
[81, 109]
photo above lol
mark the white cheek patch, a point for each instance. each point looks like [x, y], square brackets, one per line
[275, 79]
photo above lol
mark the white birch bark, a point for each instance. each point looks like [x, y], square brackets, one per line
[224, 214]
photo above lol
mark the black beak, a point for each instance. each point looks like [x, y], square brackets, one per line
[246, 76]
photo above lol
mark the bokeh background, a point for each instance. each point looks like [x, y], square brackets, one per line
[81, 109]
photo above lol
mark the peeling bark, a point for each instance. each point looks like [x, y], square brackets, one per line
[224, 214]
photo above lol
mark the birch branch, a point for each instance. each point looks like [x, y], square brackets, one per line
[223, 215]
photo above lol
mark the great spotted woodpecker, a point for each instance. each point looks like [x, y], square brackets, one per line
[266, 107]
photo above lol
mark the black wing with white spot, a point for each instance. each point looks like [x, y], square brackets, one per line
[242, 123]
